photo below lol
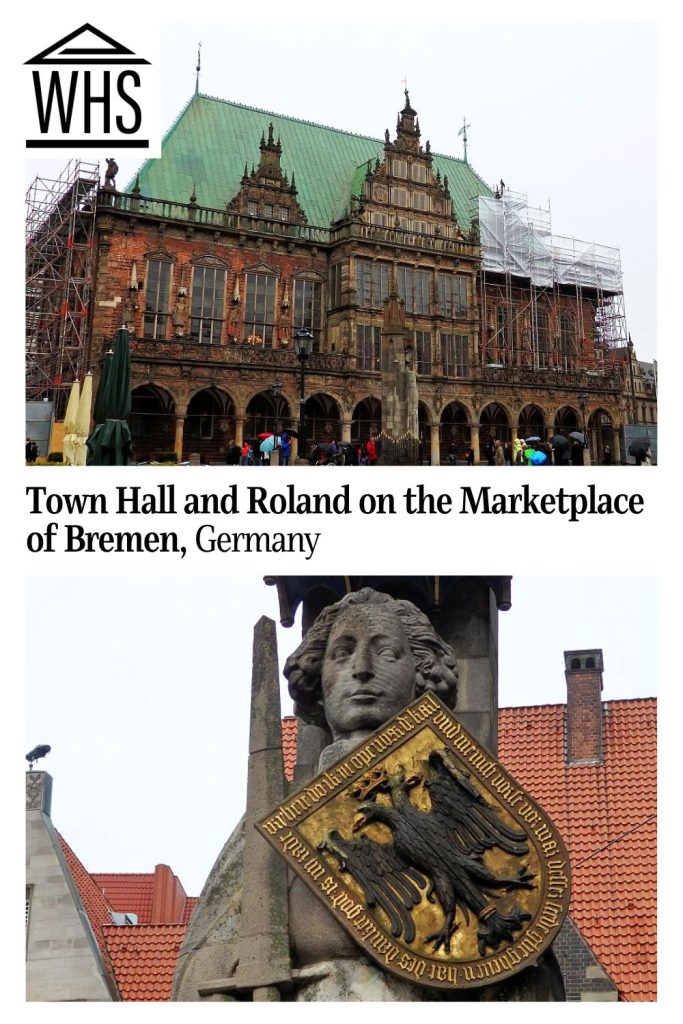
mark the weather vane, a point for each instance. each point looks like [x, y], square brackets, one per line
[42, 750]
[463, 132]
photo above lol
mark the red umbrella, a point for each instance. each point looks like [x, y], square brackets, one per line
[262, 437]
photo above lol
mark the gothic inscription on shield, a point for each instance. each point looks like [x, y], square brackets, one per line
[427, 851]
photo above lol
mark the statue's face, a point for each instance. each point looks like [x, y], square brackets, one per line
[368, 673]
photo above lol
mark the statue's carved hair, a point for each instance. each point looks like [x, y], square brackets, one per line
[435, 666]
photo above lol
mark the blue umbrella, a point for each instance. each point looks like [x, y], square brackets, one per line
[269, 443]
[538, 458]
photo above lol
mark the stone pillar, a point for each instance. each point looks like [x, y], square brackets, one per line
[178, 443]
[346, 430]
[468, 621]
[239, 430]
[616, 453]
[474, 441]
[435, 444]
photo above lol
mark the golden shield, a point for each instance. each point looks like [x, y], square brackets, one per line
[427, 851]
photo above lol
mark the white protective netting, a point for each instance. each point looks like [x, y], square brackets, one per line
[517, 239]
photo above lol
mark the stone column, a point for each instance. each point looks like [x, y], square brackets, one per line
[435, 445]
[346, 430]
[239, 430]
[474, 435]
[616, 454]
[178, 444]
[468, 621]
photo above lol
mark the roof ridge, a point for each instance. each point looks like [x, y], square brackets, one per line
[288, 117]
[563, 704]
[316, 124]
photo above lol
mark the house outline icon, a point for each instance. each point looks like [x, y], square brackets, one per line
[112, 53]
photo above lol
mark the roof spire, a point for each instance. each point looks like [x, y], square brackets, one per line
[463, 132]
[198, 68]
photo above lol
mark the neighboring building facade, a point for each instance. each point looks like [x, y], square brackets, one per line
[95, 937]
[252, 226]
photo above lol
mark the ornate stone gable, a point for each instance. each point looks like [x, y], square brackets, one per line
[266, 193]
[403, 190]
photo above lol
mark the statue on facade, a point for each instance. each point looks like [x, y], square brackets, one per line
[179, 315]
[360, 664]
[110, 173]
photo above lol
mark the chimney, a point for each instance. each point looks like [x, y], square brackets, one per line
[583, 672]
[168, 897]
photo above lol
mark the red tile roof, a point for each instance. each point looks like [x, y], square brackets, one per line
[289, 737]
[92, 898]
[606, 815]
[128, 893]
[143, 957]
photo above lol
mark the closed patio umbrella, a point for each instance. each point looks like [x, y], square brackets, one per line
[83, 421]
[110, 442]
[69, 440]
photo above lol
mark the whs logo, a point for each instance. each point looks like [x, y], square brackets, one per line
[90, 91]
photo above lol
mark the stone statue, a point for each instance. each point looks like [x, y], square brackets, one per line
[179, 315]
[110, 173]
[362, 661]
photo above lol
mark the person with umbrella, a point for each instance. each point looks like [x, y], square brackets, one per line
[561, 448]
[640, 450]
[517, 448]
[285, 449]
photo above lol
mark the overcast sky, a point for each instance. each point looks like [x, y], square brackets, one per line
[142, 690]
[562, 112]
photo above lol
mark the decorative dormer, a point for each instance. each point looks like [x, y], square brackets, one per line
[266, 192]
[403, 192]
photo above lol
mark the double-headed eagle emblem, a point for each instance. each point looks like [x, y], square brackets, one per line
[439, 849]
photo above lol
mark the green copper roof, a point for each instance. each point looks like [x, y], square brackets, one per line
[211, 140]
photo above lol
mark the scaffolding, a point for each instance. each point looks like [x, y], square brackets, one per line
[547, 300]
[60, 231]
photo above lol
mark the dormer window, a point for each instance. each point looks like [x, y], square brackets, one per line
[283, 213]
[252, 208]
[418, 172]
[399, 168]
[400, 196]
[420, 201]
[268, 211]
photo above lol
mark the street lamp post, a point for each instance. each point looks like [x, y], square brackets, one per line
[302, 341]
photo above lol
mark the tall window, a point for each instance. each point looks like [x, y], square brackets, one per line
[259, 309]
[418, 172]
[308, 308]
[372, 283]
[368, 342]
[543, 336]
[157, 298]
[454, 355]
[423, 351]
[400, 197]
[503, 327]
[453, 295]
[206, 307]
[399, 168]
[420, 201]
[567, 334]
[414, 288]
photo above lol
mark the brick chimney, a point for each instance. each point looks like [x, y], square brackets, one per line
[583, 672]
[168, 897]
